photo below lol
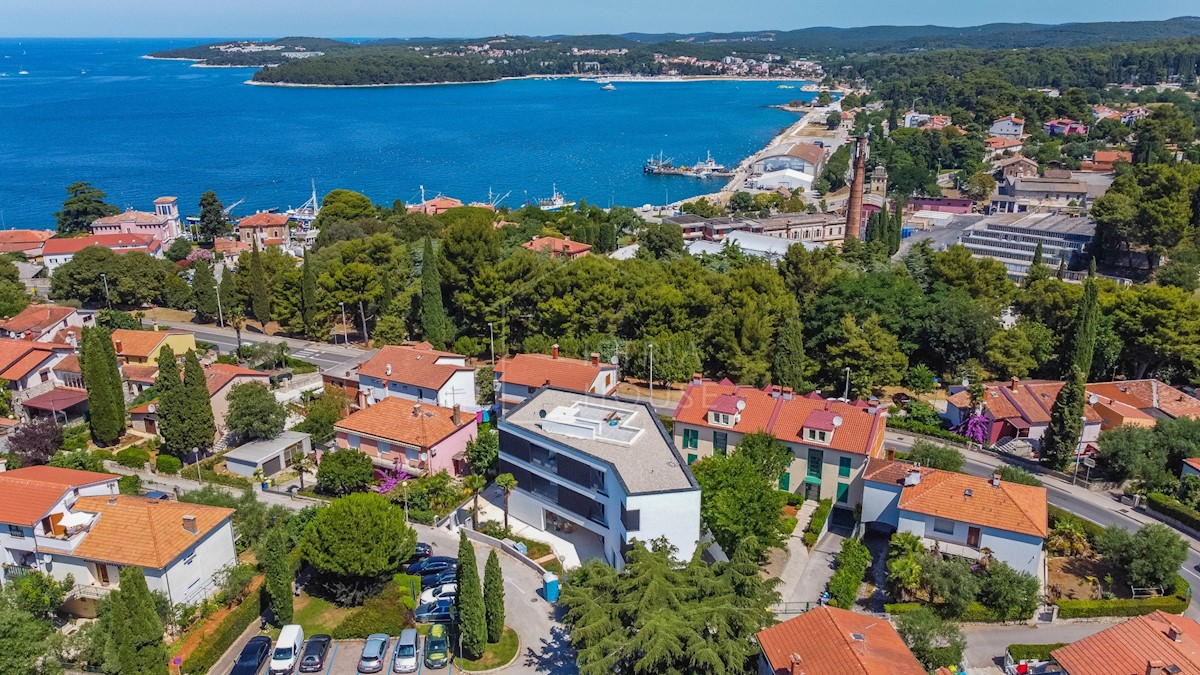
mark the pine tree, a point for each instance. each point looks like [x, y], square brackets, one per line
[493, 597]
[213, 222]
[134, 640]
[472, 614]
[204, 291]
[790, 365]
[435, 325]
[172, 404]
[308, 299]
[260, 300]
[201, 427]
[1062, 436]
[278, 571]
[101, 377]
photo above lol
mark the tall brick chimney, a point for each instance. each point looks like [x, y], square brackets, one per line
[854, 206]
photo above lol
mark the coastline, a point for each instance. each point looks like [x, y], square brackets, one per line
[620, 79]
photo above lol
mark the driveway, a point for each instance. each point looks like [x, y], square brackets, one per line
[986, 643]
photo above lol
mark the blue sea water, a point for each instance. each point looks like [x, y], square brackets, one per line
[137, 128]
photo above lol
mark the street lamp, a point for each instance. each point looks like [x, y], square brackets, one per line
[846, 391]
[199, 476]
[492, 340]
[220, 312]
[107, 300]
[404, 484]
[1078, 453]
[345, 333]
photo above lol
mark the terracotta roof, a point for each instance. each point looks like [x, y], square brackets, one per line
[412, 365]
[1000, 143]
[33, 237]
[813, 154]
[1193, 462]
[218, 375]
[402, 421]
[144, 409]
[1027, 400]
[58, 246]
[861, 431]
[144, 532]
[140, 343]
[1149, 395]
[1010, 506]
[30, 493]
[19, 357]
[58, 398]
[535, 370]
[1110, 156]
[140, 372]
[832, 641]
[726, 404]
[1010, 118]
[821, 420]
[36, 318]
[1015, 159]
[1131, 647]
[166, 200]
[556, 246]
[65, 335]
[131, 216]
[263, 220]
[223, 245]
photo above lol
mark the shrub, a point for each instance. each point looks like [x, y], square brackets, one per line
[215, 645]
[936, 456]
[167, 464]
[390, 612]
[1059, 515]
[793, 499]
[1086, 609]
[1033, 652]
[129, 485]
[1015, 474]
[852, 563]
[924, 429]
[817, 523]
[1172, 508]
[133, 457]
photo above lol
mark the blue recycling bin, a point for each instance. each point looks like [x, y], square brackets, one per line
[550, 586]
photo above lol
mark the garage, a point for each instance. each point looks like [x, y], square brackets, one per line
[270, 455]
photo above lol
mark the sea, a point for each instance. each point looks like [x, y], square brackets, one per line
[95, 110]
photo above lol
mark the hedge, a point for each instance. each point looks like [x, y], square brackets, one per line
[390, 612]
[792, 498]
[133, 457]
[817, 523]
[1172, 508]
[1033, 652]
[1087, 609]
[852, 563]
[975, 612]
[230, 629]
[925, 429]
[1057, 514]
[168, 465]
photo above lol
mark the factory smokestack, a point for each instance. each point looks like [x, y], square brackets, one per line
[854, 207]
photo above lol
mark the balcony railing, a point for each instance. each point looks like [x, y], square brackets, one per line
[89, 591]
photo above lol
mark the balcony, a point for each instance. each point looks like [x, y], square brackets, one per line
[62, 542]
[90, 591]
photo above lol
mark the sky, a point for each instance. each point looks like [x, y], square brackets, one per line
[470, 18]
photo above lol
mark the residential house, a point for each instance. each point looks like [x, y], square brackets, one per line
[1008, 127]
[1191, 467]
[958, 514]
[264, 229]
[1131, 116]
[417, 373]
[28, 368]
[599, 471]
[1153, 644]
[913, 119]
[219, 378]
[830, 440]
[57, 252]
[1065, 127]
[143, 346]
[42, 322]
[833, 641]
[803, 157]
[997, 147]
[438, 205]
[417, 438]
[162, 225]
[520, 375]
[691, 224]
[1018, 195]
[230, 249]
[1157, 399]
[269, 456]
[27, 242]
[556, 247]
[1100, 112]
[1017, 166]
[1105, 161]
[1013, 238]
[67, 522]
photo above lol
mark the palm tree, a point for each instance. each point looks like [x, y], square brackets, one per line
[508, 483]
[303, 463]
[237, 319]
[475, 484]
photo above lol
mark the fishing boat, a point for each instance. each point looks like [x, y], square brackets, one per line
[708, 168]
[308, 211]
[556, 201]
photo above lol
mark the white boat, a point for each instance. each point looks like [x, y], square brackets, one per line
[308, 211]
[23, 72]
[555, 202]
[609, 87]
[785, 86]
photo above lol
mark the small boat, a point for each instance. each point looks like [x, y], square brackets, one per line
[555, 202]
[23, 72]
[609, 87]
[785, 86]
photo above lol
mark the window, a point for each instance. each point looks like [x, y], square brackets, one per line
[815, 459]
[190, 559]
[724, 419]
[844, 467]
[691, 438]
[720, 443]
[843, 493]
[691, 459]
[16, 531]
[943, 526]
[785, 482]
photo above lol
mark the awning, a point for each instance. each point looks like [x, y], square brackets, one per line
[1018, 422]
[56, 399]
[75, 519]
[812, 480]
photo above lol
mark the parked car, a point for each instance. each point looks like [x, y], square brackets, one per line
[422, 551]
[437, 648]
[449, 576]
[408, 653]
[287, 650]
[316, 651]
[155, 494]
[435, 563]
[438, 611]
[442, 592]
[253, 656]
[374, 653]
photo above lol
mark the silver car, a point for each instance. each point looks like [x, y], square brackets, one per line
[408, 653]
[374, 653]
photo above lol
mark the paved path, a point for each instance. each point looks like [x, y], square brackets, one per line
[818, 570]
[322, 354]
[798, 553]
[986, 643]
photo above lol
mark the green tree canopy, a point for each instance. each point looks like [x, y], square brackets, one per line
[344, 471]
[254, 412]
[356, 560]
[84, 205]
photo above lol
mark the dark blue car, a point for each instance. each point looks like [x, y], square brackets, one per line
[253, 656]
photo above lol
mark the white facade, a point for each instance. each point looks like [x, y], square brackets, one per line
[510, 394]
[458, 390]
[1023, 552]
[20, 542]
[788, 178]
[1007, 127]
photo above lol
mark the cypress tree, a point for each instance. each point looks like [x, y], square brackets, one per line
[493, 597]
[790, 365]
[204, 291]
[231, 302]
[472, 619]
[308, 298]
[1037, 268]
[435, 325]
[278, 571]
[1081, 343]
[172, 404]
[1066, 424]
[102, 378]
[199, 416]
[897, 227]
[135, 633]
[260, 301]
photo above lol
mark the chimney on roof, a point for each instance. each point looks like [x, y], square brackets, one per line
[776, 391]
[120, 347]
[387, 370]
[1015, 382]
[996, 480]
[595, 359]
[1155, 666]
[1175, 633]
[189, 524]
[796, 668]
[112, 499]
[787, 393]
[891, 454]
[416, 409]
[456, 415]
[554, 351]
[697, 379]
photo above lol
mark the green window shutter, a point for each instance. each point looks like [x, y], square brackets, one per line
[691, 438]
[785, 482]
[843, 493]
[720, 442]
[691, 458]
[844, 467]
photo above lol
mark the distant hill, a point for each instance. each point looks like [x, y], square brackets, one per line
[252, 53]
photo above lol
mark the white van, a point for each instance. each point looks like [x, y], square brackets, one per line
[287, 650]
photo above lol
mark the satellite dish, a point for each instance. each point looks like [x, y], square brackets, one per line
[613, 359]
[741, 405]
[966, 382]
[837, 421]
[1093, 399]
[152, 408]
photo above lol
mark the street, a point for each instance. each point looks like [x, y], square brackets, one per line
[322, 354]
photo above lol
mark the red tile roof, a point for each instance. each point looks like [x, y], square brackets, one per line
[412, 365]
[832, 641]
[140, 343]
[1193, 462]
[58, 398]
[1010, 118]
[1149, 395]
[1110, 156]
[25, 236]
[116, 242]
[861, 431]
[1030, 401]
[144, 532]
[36, 318]
[1000, 143]
[402, 421]
[822, 420]
[1132, 647]
[19, 357]
[556, 246]
[535, 370]
[140, 372]
[813, 154]
[131, 216]
[263, 220]
[726, 404]
[30, 493]
[219, 375]
[1010, 506]
[223, 245]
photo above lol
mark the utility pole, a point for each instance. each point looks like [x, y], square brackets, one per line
[107, 299]
[846, 392]
[345, 333]
[363, 313]
[492, 340]
[220, 312]
[651, 373]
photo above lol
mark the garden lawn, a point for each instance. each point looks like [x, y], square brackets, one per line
[495, 654]
[318, 615]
